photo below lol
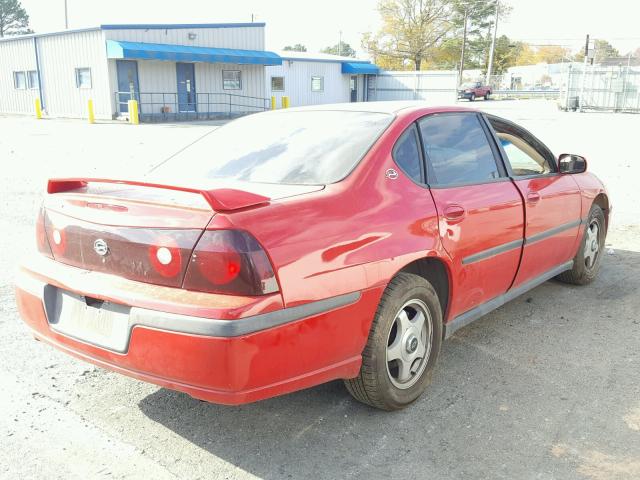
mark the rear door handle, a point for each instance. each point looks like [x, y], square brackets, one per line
[533, 197]
[454, 213]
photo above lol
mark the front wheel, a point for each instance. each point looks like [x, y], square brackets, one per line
[586, 263]
[403, 345]
[472, 98]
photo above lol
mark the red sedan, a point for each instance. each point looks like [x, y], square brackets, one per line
[295, 247]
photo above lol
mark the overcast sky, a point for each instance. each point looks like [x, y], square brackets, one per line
[317, 24]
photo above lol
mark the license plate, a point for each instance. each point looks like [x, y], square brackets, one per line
[102, 324]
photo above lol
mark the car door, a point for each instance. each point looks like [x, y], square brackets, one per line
[480, 211]
[552, 201]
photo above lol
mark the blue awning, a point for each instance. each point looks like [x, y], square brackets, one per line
[360, 68]
[186, 53]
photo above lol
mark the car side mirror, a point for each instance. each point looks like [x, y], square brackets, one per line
[569, 163]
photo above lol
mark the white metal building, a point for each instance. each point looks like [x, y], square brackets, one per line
[316, 78]
[185, 70]
[437, 87]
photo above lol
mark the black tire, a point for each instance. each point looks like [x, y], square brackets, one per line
[373, 386]
[486, 96]
[472, 97]
[584, 271]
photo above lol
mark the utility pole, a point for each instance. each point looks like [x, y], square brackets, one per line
[493, 43]
[464, 45]
[66, 16]
[340, 44]
[584, 74]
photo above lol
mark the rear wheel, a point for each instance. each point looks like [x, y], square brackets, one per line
[403, 345]
[586, 263]
[487, 95]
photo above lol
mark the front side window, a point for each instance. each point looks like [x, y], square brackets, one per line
[406, 154]
[457, 150]
[525, 154]
[83, 77]
[19, 80]
[277, 84]
[32, 77]
[282, 147]
[231, 80]
[317, 84]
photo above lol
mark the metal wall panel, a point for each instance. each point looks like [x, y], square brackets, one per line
[297, 82]
[16, 55]
[435, 87]
[246, 38]
[59, 56]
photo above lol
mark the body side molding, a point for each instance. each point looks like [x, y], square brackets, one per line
[481, 310]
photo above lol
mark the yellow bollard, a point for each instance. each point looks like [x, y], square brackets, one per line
[38, 109]
[285, 102]
[133, 112]
[91, 116]
[273, 103]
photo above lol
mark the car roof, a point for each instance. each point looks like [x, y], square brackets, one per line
[391, 107]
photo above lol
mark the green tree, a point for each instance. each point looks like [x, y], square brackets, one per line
[342, 48]
[411, 31]
[13, 18]
[298, 47]
[480, 16]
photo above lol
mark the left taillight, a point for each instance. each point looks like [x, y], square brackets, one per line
[230, 262]
[42, 241]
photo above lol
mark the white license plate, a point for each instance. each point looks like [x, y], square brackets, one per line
[103, 324]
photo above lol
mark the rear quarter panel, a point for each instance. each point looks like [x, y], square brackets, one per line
[354, 235]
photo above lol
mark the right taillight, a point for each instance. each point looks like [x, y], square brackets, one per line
[231, 262]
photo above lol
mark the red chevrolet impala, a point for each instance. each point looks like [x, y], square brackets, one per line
[299, 246]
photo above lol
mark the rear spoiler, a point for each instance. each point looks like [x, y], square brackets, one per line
[220, 199]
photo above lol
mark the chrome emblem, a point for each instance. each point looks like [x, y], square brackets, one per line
[391, 174]
[101, 247]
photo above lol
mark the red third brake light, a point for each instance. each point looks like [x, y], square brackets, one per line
[232, 262]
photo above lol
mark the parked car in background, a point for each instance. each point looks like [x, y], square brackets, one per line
[474, 90]
[294, 247]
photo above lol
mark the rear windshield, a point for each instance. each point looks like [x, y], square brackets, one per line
[296, 147]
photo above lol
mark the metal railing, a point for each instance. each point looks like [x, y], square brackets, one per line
[169, 107]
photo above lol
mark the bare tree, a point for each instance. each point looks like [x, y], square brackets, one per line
[411, 29]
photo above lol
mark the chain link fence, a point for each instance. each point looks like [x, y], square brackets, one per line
[597, 88]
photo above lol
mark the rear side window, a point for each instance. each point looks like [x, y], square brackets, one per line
[406, 154]
[457, 150]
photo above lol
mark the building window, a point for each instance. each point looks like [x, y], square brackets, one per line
[32, 77]
[317, 84]
[19, 80]
[277, 84]
[83, 77]
[231, 80]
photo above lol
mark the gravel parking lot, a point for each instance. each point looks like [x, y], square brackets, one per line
[546, 387]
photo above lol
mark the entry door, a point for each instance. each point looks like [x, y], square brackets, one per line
[553, 203]
[186, 87]
[480, 213]
[353, 85]
[127, 83]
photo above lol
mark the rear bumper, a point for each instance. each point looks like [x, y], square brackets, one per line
[228, 361]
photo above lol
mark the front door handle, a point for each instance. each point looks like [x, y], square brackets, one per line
[454, 213]
[533, 197]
